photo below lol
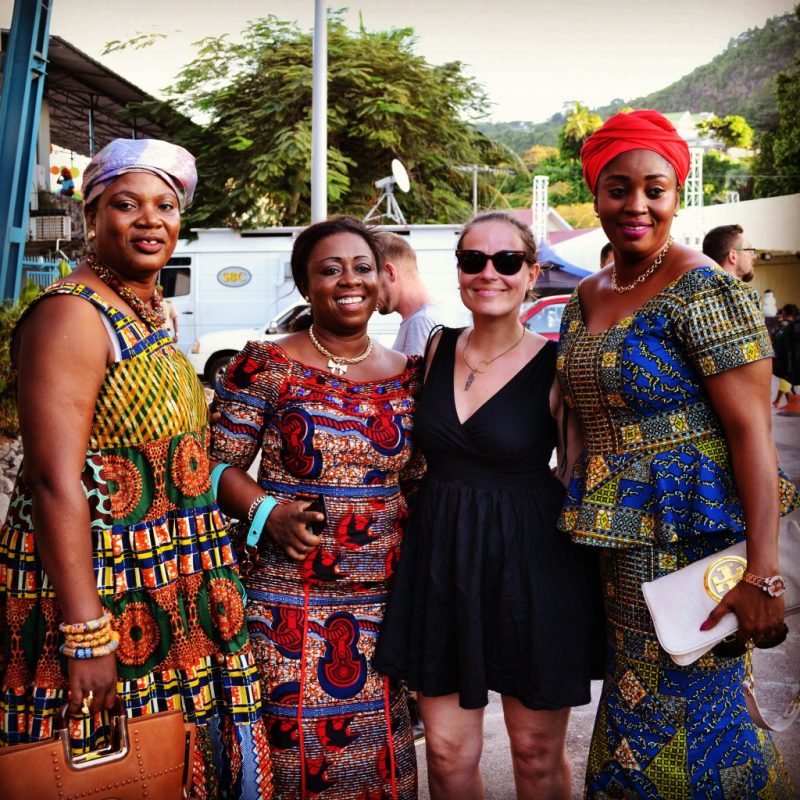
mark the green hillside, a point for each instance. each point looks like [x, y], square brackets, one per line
[740, 80]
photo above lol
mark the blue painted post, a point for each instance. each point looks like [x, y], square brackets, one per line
[23, 85]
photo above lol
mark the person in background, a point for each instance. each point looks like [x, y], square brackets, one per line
[786, 365]
[119, 578]
[769, 305]
[489, 594]
[170, 317]
[727, 246]
[404, 291]
[330, 412]
[66, 183]
[665, 359]
[606, 255]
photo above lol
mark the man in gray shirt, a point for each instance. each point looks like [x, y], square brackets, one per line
[403, 290]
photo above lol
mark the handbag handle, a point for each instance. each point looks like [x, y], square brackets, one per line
[749, 686]
[115, 751]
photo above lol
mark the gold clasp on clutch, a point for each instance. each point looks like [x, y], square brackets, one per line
[722, 575]
[116, 751]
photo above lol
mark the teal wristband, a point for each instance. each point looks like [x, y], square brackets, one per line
[216, 474]
[260, 520]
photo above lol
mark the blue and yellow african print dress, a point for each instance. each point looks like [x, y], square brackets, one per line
[165, 569]
[655, 489]
[337, 729]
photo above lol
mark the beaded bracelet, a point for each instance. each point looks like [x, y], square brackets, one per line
[261, 508]
[85, 627]
[82, 653]
[216, 474]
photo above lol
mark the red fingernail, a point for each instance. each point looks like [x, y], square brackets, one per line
[705, 626]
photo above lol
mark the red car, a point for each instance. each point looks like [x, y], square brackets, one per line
[544, 315]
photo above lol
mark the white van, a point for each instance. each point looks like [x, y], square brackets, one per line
[240, 282]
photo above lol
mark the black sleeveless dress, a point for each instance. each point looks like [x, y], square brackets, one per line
[489, 594]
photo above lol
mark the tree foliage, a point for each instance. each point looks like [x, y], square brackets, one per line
[722, 174]
[777, 166]
[580, 124]
[732, 131]
[253, 99]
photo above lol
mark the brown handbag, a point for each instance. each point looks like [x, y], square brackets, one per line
[149, 757]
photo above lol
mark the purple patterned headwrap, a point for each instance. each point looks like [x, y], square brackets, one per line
[170, 162]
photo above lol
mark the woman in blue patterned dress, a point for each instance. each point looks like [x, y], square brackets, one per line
[666, 359]
[113, 520]
[330, 413]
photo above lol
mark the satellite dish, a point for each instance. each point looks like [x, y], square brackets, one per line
[400, 175]
[399, 178]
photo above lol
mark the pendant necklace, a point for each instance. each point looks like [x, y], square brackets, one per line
[645, 275]
[154, 318]
[338, 364]
[482, 366]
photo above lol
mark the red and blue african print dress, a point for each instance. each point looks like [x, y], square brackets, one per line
[655, 490]
[165, 569]
[337, 729]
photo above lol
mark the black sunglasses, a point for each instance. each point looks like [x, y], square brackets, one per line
[506, 262]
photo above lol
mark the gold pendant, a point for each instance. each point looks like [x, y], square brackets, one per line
[336, 369]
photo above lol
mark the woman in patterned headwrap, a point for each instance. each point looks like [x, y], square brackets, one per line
[665, 358]
[114, 551]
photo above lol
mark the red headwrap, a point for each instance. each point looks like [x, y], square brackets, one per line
[639, 130]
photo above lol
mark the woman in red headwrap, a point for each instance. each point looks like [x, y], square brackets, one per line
[666, 360]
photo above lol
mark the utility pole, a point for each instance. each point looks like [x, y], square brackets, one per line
[319, 115]
[475, 169]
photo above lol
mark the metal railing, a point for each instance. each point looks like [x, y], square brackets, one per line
[43, 271]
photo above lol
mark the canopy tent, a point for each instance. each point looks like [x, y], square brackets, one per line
[557, 276]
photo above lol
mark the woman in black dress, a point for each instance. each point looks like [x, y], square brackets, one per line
[489, 595]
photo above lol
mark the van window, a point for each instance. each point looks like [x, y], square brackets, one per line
[176, 281]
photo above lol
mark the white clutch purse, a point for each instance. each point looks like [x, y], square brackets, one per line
[680, 601]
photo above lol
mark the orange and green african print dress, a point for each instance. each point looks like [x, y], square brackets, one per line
[164, 567]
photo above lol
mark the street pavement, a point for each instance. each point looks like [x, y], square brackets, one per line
[777, 674]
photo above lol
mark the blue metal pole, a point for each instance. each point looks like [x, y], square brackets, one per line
[20, 104]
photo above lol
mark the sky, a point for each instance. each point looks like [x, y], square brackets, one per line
[531, 56]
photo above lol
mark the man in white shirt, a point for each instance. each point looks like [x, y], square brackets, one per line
[170, 318]
[403, 290]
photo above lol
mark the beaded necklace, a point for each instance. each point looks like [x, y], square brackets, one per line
[154, 318]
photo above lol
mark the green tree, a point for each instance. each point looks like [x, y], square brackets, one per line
[581, 123]
[732, 131]
[253, 148]
[777, 165]
[722, 174]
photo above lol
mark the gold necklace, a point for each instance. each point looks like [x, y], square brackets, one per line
[645, 275]
[476, 370]
[338, 364]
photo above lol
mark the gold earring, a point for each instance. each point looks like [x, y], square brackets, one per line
[91, 235]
